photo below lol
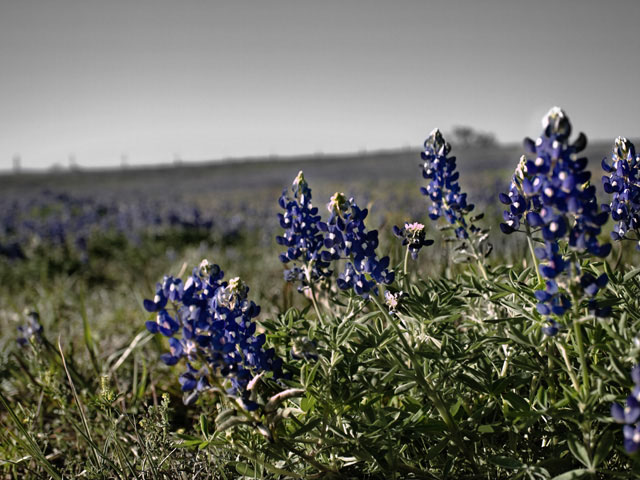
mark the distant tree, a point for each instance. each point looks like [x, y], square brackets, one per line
[462, 136]
[465, 137]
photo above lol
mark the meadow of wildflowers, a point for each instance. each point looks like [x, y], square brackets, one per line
[346, 347]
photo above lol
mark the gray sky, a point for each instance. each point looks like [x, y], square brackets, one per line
[200, 79]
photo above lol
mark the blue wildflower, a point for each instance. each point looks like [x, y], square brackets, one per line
[591, 285]
[303, 239]
[447, 199]
[346, 237]
[551, 194]
[218, 335]
[552, 328]
[517, 200]
[630, 414]
[193, 382]
[624, 183]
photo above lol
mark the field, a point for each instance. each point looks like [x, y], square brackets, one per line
[455, 376]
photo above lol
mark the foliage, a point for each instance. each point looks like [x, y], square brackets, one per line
[493, 366]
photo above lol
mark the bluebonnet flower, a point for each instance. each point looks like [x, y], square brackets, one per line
[630, 414]
[551, 194]
[443, 189]
[346, 237]
[302, 237]
[518, 202]
[624, 183]
[193, 382]
[31, 330]
[552, 328]
[552, 300]
[555, 263]
[413, 236]
[592, 285]
[552, 191]
[218, 338]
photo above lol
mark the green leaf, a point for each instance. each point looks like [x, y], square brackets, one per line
[345, 332]
[307, 404]
[524, 275]
[306, 428]
[224, 414]
[605, 445]
[189, 443]
[500, 385]
[629, 275]
[518, 403]
[469, 381]
[312, 374]
[500, 295]
[404, 387]
[579, 451]
[245, 469]
[506, 287]
[389, 374]
[609, 272]
[506, 462]
[231, 422]
[436, 450]
[455, 407]
[204, 425]
[572, 475]
[485, 429]
[519, 337]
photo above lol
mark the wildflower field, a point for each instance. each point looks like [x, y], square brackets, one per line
[411, 316]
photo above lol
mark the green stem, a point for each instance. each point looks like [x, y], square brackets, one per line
[315, 302]
[533, 254]
[618, 258]
[405, 268]
[567, 363]
[575, 268]
[313, 293]
[583, 360]
[550, 373]
[505, 363]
